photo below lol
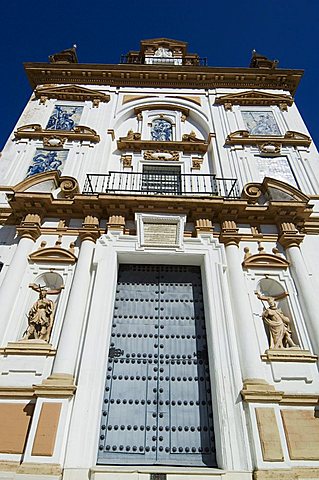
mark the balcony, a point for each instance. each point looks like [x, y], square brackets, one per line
[159, 183]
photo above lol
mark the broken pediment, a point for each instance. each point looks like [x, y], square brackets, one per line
[254, 97]
[71, 93]
[54, 138]
[290, 138]
[272, 189]
[47, 182]
[189, 143]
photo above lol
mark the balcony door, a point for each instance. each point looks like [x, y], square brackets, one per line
[161, 180]
[157, 406]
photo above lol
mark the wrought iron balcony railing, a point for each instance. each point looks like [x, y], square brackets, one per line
[192, 61]
[154, 183]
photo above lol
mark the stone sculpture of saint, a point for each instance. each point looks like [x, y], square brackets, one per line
[278, 323]
[41, 315]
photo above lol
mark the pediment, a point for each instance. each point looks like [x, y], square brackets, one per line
[72, 93]
[291, 138]
[42, 182]
[53, 255]
[273, 190]
[47, 182]
[265, 260]
[253, 97]
[56, 138]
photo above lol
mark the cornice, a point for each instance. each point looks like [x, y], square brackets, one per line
[162, 76]
[104, 205]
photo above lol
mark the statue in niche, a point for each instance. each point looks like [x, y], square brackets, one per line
[41, 314]
[278, 323]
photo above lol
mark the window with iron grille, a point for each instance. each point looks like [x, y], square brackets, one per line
[162, 179]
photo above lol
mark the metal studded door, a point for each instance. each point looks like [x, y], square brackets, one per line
[157, 405]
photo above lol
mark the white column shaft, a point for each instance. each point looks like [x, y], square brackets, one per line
[65, 361]
[11, 282]
[92, 379]
[247, 340]
[308, 298]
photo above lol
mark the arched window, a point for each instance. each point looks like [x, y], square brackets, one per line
[161, 130]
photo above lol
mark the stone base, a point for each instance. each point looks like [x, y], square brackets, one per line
[57, 385]
[288, 355]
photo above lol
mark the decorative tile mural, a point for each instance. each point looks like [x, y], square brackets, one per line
[277, 168]
[260, 123]
[46, 161]
[161, 130]
[64, 117]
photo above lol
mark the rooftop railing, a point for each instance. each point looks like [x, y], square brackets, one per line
[129, 183]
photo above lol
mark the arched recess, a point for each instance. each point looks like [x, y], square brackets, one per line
[268, 287]
[46, 289]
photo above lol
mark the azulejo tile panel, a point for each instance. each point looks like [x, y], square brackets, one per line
[161, 130]
[64, 117]
[46, 161]
[260, 123]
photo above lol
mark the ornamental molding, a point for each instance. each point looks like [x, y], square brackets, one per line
[291, 138]
[72, 93]
[53, 255]
[264, 260]
[273, 190]
[177, 76]
[189, 143]
[50, 181]
[78, 133]
[161, 107]
[259, 391]
[255, 98]
[288, 355]
[28, 347]
[267, 202]
[165, 155]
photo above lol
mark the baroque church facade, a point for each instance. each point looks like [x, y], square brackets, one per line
[159, 273]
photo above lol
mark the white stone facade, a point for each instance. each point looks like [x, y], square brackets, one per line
[76, 231]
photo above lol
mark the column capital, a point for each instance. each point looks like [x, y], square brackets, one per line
[30, 227]
[203, 225]
[116, 223]
[229, 234]
[90, 229]
[289, 235]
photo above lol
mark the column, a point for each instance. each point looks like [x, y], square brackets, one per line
[68, 348]
[29, 231]
[250, 361]
[291, 240]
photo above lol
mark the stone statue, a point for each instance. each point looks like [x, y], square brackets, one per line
[278, 323]
[41, 314]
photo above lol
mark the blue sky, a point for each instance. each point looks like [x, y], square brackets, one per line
[224, 31]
